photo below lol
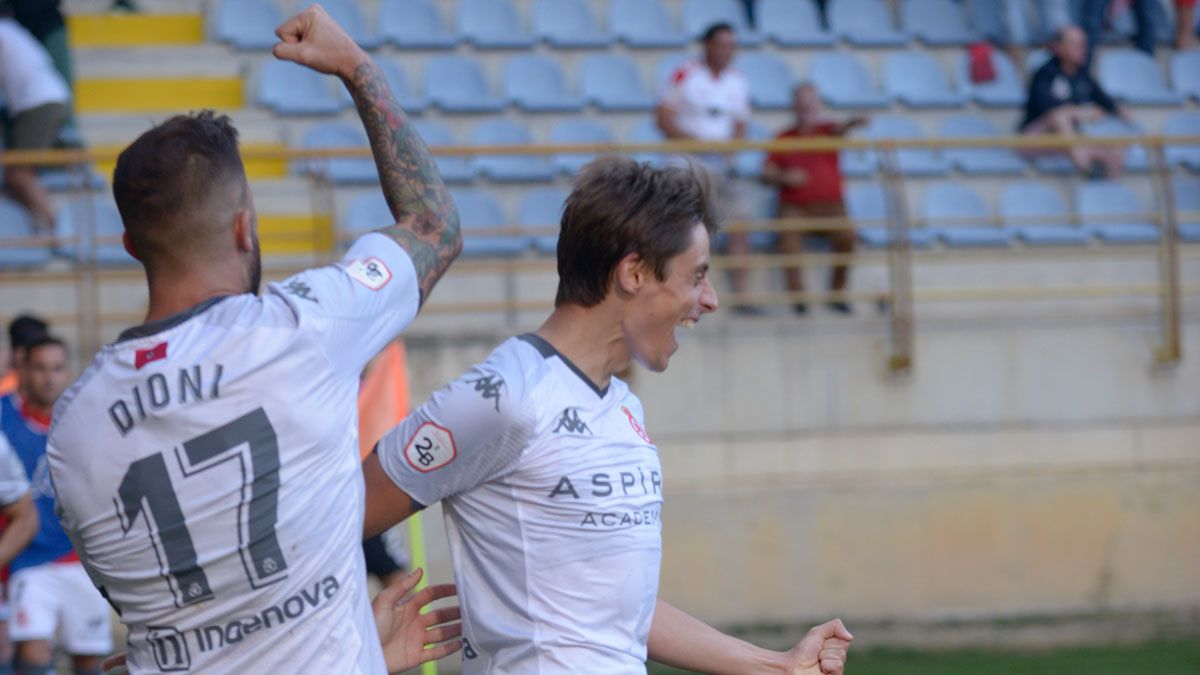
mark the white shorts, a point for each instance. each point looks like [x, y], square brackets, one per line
[59, 599]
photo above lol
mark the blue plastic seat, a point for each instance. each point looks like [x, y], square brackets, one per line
[349, 16]
[1135, 156]
[749, 163]
[865, 23]
[415, 24]
[457, 84]
[644, 23]
[366, 213]
[1185, 73]
[541, 208]
[454, 169]
[1035, 59]
[246, 24]
[339, 170]
[480, 210]
[699, 15]
[291, 89]
[917, 81]
[936, 22]
[537, 84]
[578, 130]
[978, 161]
[1006, 90]
[492, 24]
[509, 168]
[647, 131]
[867, 204]
[1186, 190]
[1183, 124]
[759, 203]
[1097, 202]
[397, 80]
[958, 214]
[17, 223]
[1036, 212]
[58, 179]
[612, 82]
[844, 82]
[91, 227]
[792, 24]
[771, 80]
[568, 24]
[987, 18]
[912, 161]
[1132, 76]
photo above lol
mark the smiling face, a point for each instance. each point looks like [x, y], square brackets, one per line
[660, 306]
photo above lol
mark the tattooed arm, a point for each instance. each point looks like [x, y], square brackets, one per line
[426, 220]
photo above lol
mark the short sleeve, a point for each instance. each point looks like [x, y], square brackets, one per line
[355, 307]
[13, 481]
[670, 94]
[468, 433]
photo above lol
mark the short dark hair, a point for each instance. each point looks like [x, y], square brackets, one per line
[711, 31]
[44, 340]
[170, 172]
[25, 329]
[617, 207]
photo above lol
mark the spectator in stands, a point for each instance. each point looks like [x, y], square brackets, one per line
[37, 99]
[1063, 97]
[22, 332]
[810, 186]
[1094, 14]
[707, 99]
[1185, 24]
[44, 20]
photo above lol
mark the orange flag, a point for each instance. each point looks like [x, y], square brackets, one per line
[382, 396]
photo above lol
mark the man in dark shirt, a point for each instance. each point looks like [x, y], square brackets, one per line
[1063, 97]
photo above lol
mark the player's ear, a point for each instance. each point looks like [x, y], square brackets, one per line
[630, 274]
[243, 229]
[125, 241]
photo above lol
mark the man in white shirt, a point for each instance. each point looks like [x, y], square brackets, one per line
[540, 456]
[707, 99]
[207, 463]
[36, 98]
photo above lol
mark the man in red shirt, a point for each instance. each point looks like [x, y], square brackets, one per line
[810, 185]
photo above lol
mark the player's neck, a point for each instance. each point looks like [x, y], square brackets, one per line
[590, 338]
[171, 296]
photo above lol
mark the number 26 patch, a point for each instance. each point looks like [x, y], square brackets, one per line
[430, 448]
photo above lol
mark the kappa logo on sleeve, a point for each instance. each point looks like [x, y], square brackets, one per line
[431, 448]
[371, 273]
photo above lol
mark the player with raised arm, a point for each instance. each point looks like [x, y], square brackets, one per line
[540, 456]
[206, 463]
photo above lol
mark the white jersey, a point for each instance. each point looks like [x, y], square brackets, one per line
[707, 106]
[27, 75]
[13, 482]
[552, 494]
[207, 470]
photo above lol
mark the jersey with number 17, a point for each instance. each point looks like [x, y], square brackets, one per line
[208, 474]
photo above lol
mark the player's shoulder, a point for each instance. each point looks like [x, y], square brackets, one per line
[685, 69]
[518, 364]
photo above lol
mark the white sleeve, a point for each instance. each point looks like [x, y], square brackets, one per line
[357, 306]
[13, 481]
[471, 431]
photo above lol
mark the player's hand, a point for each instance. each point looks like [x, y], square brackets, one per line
[822, 651]
[405, 632]
[114, 665]
[312, 38]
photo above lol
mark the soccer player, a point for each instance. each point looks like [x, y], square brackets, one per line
[49, 590]
[549, 480]
[17, 508]
[206, 462]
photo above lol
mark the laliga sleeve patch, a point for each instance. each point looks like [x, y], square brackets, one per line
[431, 448]
[371, 273]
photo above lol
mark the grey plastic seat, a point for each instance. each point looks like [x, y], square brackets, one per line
[958, 214]
[454, 169]
[771, 80]
[1136, 159]
[1037, 213]
[457, 83]
[17, 223]
[611, 82]
[1132, 76]
[87, 228]
[578, 130]
[291, 89]
[339, 170]
[844, 82]
[509, 168]
[647, 131]
[542, 207]
[916, 80]
[1097, 202]
[246, 24]
[1006, 90]
[912, 161]
[644, 23]
[699, 15]
[978, 161]
[367, 212]
[349, 16]
[1185, 73]
[1185, 123]
[415, 24]
[868, 205]
[492, 24]
[1186, 190]
[792, 24]
[478, 210]
[537, 84]
[569, 24]
[865, 23]
[397, 80]
[939, 23]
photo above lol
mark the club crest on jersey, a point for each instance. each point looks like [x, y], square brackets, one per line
[145, 356]
[431, 448]
[371, 273]
[637, 426]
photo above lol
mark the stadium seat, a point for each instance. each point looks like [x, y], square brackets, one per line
[1186, 190]
[349, 16]
[492, 24]
[246, 24]
[978, 161]
[366, 212]
[1036, 212]
[699, 15]
[537, 84]
[792, 24]
[542, 207]
[17, 223]
[397, 80]
[843, 81]
[509, 168]
[1035, 59]
[916, 80]
[868, 203]
[912, 161]
[1097, 202]
[457, 169]
[612, 82]
[936, 22]
[771, 80]
[987, 18]
[644, 23]
[865, 23]
[457, 84]
[1136, 159]
[91, 227]
[758, 202]
[568, 23]
[1184, 123]
[749, 164]
[1133, 77]
[1006, 90]
[478, 209]
[578, 130]
[959, 216]
[647, 131]
[1185, 73]
[339, 170]
[414, 24]
[291, 89]
[58, 179]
